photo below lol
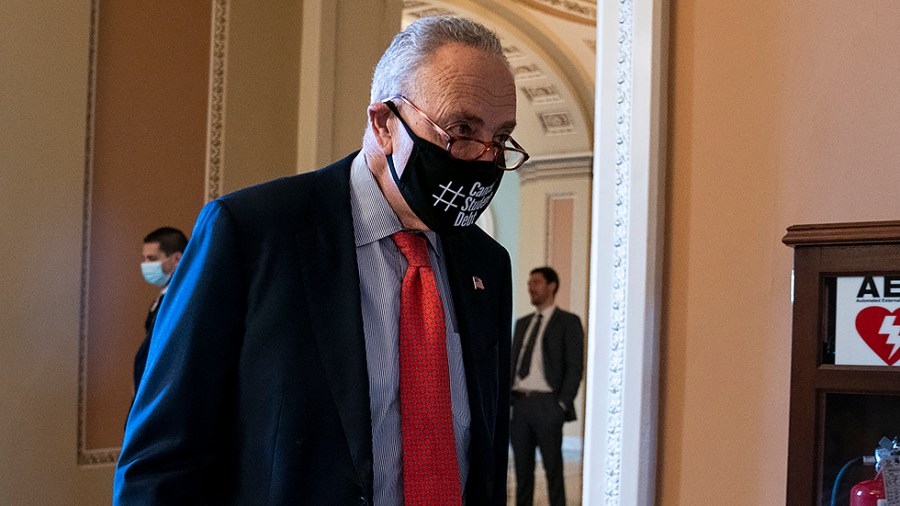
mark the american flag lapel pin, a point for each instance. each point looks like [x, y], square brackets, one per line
[477, 282]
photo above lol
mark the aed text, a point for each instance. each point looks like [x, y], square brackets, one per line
[869, 288]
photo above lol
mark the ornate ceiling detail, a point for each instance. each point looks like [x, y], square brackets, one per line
[578, 11]
[574, 166]
[552, 119]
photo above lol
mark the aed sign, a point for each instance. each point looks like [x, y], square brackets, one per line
[867, 321]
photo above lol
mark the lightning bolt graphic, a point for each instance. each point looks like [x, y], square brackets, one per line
[892, 331]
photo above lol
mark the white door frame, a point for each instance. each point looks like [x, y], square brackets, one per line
[626, 254]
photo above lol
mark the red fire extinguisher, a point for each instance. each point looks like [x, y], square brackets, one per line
[868, 493]
[871, 492]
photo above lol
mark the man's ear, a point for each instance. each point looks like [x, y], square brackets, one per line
[379, 115]
[177, 257]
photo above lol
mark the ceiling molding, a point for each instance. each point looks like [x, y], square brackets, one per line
[569, 10]
[569, 166]
[552, 60]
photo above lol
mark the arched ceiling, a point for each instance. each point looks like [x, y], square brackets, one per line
[551, 47]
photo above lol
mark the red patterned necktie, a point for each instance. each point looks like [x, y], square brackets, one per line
[430, 468]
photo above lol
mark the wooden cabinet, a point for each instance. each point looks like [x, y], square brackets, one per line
[845, 367]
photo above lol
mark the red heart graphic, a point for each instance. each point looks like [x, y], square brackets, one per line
[870, 322]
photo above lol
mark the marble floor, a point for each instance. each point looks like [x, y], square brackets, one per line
[572, 477]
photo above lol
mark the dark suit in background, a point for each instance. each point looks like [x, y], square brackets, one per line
[140, 358]
[538, 416]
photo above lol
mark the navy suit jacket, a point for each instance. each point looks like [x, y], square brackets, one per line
[256, 389]
[140, 357]
[563, 354]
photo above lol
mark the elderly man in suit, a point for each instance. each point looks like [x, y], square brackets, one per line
[547, 363]
[342, 336]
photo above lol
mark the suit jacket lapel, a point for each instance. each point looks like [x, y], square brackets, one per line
[518, 342]
[550, 333]
[460, 269]
[330, 273]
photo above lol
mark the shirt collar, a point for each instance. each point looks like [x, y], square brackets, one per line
[547, 312]
[373, 218]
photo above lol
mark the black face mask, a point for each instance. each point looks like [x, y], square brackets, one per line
[447, 194]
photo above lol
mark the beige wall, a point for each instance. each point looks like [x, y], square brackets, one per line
[263, 62]
[780, 113]
[44, 53]
[297, 83]
[43, 97]
[149, 142]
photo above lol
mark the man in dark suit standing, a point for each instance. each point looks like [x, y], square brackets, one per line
[161, 253]
[547, 363]
[280, 371]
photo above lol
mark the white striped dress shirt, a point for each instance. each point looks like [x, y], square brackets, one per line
[381, 270]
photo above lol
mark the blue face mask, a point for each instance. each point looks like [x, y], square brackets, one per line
[153, 273]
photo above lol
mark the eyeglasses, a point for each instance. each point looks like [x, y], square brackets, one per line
[508, 154]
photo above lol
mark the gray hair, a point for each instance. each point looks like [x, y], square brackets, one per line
[410, 50]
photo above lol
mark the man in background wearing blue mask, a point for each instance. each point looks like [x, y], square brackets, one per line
[162, 252]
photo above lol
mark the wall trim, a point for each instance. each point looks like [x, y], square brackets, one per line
[104, 456]
[550, 234]
[626, 244]
[218, 67]
[85, 455]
